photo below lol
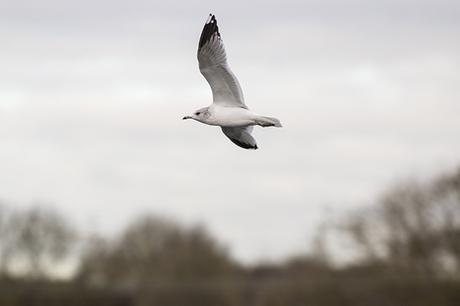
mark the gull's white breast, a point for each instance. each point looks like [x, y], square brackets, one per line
[230, 116]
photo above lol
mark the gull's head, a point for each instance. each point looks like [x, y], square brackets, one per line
[200, 115]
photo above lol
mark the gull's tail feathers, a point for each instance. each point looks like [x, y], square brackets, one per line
[268, 121]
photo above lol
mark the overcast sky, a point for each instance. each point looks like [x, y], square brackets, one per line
[92, 94]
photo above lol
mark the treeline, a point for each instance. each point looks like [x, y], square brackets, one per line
[406, 251]
[35, 241]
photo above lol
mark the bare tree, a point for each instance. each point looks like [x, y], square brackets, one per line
[413, 226]
[40, 237]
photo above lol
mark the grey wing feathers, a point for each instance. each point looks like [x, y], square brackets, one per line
[241, 136]
[213, 65]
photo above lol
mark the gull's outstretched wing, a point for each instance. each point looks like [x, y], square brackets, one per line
[213, 65]
[241, 136]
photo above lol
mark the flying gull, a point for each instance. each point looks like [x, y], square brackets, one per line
[228, 109]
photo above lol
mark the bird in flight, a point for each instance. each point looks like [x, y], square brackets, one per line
[228, 109]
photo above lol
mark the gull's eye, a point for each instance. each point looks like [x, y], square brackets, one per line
[197, 113]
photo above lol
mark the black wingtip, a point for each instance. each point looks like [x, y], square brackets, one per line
[208, 30]
[211, 18]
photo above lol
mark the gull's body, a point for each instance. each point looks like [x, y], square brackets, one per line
[226, 116]
[228, 109]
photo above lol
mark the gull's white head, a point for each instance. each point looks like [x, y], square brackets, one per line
[200, 115]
